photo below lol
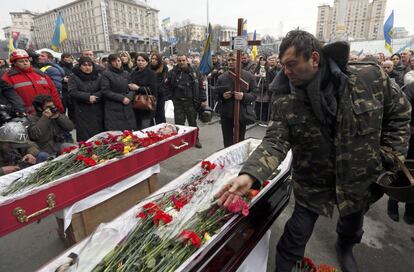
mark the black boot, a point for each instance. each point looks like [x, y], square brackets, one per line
[409, 213]
[346, 257]
[392, 209]
[198, 144]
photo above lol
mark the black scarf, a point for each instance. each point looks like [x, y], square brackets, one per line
[324, 92]
[86, 77]
[115, 70]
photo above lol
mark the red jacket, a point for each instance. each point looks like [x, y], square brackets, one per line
[30, 83]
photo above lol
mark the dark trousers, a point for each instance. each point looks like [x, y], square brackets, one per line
[160, 111]
[184, 110]
[227, 126]
[299, 228]
[143, 119]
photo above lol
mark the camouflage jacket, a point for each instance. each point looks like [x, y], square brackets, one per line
[339, 170]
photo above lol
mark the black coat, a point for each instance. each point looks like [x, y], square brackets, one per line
[145, 79]
[9, 97]
[88, 117]
[114, 86]
[226, 83]
[161, 74]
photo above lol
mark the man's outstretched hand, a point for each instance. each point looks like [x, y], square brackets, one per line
[238, 186]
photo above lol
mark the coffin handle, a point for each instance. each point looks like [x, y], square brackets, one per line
[183, 144]
[20, 213]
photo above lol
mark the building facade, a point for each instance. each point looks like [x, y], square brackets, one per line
[21, 22]
[190, 33]
[102, 26]
[351, 20]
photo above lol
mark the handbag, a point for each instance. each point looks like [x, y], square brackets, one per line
[145, 101]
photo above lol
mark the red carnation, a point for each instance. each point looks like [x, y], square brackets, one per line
[151, 207]
[141, 215]
[189, 235]
[66, 150]
[126, 133]
[79, 158]
[162, 216]
[179, 202]
[97, 142]
[265, 183]
[208, 165]
[238, 205]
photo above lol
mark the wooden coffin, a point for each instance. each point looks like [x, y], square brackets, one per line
[27, 207]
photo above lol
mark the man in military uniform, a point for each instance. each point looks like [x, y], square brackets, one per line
[187, 93]
[337, 118]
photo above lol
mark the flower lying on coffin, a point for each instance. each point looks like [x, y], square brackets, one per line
[238, 205]
[190, 236]
[161, 216]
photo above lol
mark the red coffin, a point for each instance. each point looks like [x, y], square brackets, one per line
[81, 186]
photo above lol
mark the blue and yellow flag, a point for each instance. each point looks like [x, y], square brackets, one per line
[206, 64]
[254, 52]
[11, 45]
[388, 29]
[13, 41]
[60, 33]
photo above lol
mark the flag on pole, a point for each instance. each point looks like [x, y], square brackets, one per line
[254, 52]
[206, 64]
[60, 33]
[14, 37]
[245, 28]
[388, 29]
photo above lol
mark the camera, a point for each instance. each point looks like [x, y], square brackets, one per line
[23, 164]
[53, 109]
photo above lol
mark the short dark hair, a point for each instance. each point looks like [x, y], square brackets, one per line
[303, 42]
[144, 56]
[65, 55]
[113, 57]
[40, 100]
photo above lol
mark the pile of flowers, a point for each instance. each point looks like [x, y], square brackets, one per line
[85, 155]
[307, 265]
[160, 241]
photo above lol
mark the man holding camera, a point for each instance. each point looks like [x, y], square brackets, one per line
[48, 126]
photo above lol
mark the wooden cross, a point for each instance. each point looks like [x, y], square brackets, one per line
[239, 83]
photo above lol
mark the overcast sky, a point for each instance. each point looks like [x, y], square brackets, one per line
[266, 16]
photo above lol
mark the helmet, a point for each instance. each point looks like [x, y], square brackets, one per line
[205, 114]
[13, 132]
[18, 54]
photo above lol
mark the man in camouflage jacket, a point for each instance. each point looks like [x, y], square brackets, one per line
[336, 118]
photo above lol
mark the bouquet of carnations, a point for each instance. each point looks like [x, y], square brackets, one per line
[87, 154]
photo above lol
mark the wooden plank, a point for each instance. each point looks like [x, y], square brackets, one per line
[85, 222]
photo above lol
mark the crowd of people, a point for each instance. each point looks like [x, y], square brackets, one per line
[94, 95]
